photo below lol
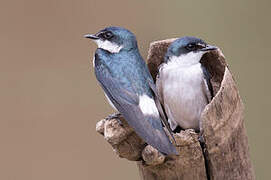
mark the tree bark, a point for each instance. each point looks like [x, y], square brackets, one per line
[219, 152]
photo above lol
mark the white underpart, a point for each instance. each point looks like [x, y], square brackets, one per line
[183, 89]
[184, 60]
[109, 46]
[147, 106]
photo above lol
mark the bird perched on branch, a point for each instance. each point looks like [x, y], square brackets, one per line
[128, 85]
[183, 83]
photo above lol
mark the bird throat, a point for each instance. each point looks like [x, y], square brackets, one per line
[108, 46]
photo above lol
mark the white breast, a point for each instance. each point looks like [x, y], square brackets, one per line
[184, 99]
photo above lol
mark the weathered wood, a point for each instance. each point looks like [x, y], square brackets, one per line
[188, 165]
[223, 152]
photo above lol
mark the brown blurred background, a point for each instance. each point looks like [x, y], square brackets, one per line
[50, 100]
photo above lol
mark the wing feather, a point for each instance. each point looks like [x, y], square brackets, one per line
[148, 127]
[161, 109]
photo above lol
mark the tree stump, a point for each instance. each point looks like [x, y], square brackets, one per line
[221, 150]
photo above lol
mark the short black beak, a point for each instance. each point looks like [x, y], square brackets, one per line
[209, 48]
[91, 36]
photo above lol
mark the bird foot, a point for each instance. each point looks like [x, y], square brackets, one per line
[116, 116]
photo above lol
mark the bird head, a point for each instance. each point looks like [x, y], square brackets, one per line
[188, 49]
[114, 39]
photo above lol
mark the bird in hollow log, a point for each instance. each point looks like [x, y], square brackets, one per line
[183, 83]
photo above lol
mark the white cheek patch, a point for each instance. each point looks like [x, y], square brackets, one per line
[109, 46]
[147, 106]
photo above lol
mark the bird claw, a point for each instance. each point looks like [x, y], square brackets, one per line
[116, 116]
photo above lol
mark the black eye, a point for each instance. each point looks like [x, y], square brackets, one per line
[107, 35]
[191, 47]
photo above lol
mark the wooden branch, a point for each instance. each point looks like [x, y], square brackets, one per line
[222, 152]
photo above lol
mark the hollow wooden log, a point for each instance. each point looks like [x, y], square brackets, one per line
[221, 150]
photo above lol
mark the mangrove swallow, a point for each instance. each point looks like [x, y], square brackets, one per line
[183, 83]
[128, 85]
